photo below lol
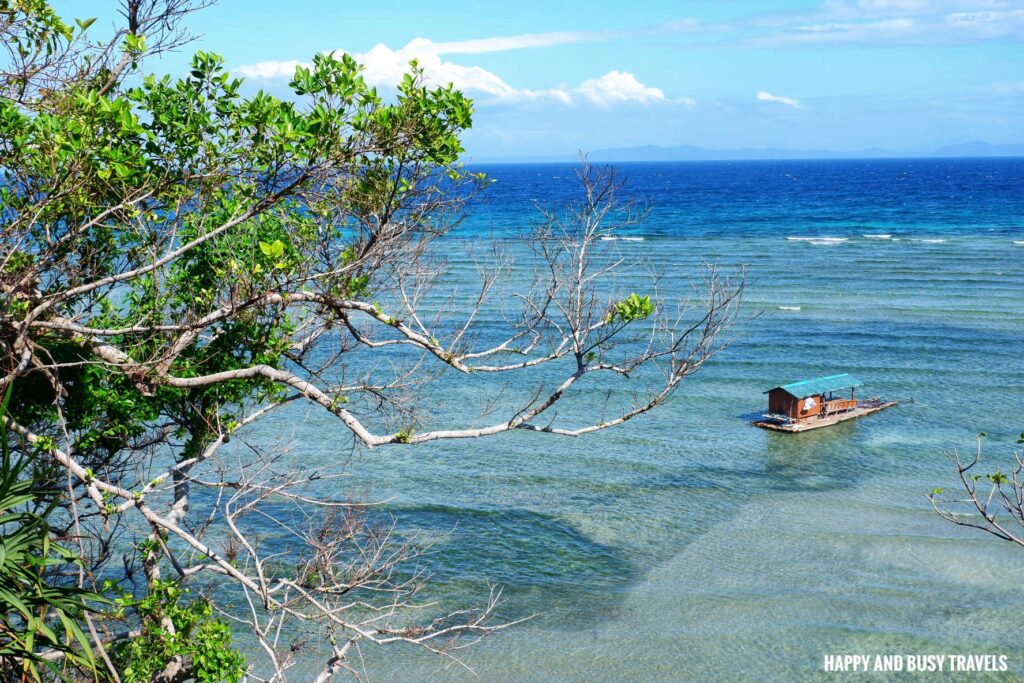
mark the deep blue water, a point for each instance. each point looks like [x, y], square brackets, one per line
[759, 198]
[688, 545]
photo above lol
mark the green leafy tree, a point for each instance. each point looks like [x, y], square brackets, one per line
[197, 639]
[182, 257]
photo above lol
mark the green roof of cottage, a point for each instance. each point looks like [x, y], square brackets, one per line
[819, 385]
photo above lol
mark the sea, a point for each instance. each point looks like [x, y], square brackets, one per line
[688, 545]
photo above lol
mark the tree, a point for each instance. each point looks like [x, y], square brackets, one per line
[179, 261]
[1000, 511]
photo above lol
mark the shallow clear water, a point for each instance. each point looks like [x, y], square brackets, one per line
[688, 545]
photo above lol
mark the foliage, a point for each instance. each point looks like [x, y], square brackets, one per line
[633, 307]
[203, 640]
[37, 611]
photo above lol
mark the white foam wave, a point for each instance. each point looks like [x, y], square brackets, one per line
[819, 241]
[1020, 242]
[789, 308]
[613, 238]
[878, 236]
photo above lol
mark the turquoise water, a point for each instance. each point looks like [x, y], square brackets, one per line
[688, 545]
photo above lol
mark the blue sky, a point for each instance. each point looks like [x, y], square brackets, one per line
[550, 78]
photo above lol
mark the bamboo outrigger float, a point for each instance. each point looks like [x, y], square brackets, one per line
[810, 404]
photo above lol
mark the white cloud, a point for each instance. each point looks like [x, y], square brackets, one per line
[618, 86]
[861, 7]
[526, 40]
[384, 66]
[877, 8]
[987, 25]
[884, 29]
[765, 96]
[1011, 88]
[270, 69]
[900, 22]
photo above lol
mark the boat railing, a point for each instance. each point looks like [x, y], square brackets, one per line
[837, 405]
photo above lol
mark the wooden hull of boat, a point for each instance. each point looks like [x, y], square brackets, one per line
[815, 423]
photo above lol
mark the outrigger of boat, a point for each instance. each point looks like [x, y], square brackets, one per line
[810, 404]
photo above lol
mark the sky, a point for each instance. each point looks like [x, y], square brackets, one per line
[549, 78]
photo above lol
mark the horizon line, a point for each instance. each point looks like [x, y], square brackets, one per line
[510, 161]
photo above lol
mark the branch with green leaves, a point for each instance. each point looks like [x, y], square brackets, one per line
[998, 511]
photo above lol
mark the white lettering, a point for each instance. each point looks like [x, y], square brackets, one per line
[888, 663]
[915, 663]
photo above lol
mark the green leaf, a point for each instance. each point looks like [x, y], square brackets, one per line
[998, 477]
[274, 250]
[633, 307]
[9, 598]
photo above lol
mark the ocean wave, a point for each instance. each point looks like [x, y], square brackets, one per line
[1021, 242]
[877, 236]
[819, 241]
[789, 308]
[613, 238]
[930, 240]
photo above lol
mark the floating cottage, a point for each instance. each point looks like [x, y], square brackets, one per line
[811, 403]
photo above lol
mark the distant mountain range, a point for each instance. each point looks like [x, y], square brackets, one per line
[980, 149]
[694, 153]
